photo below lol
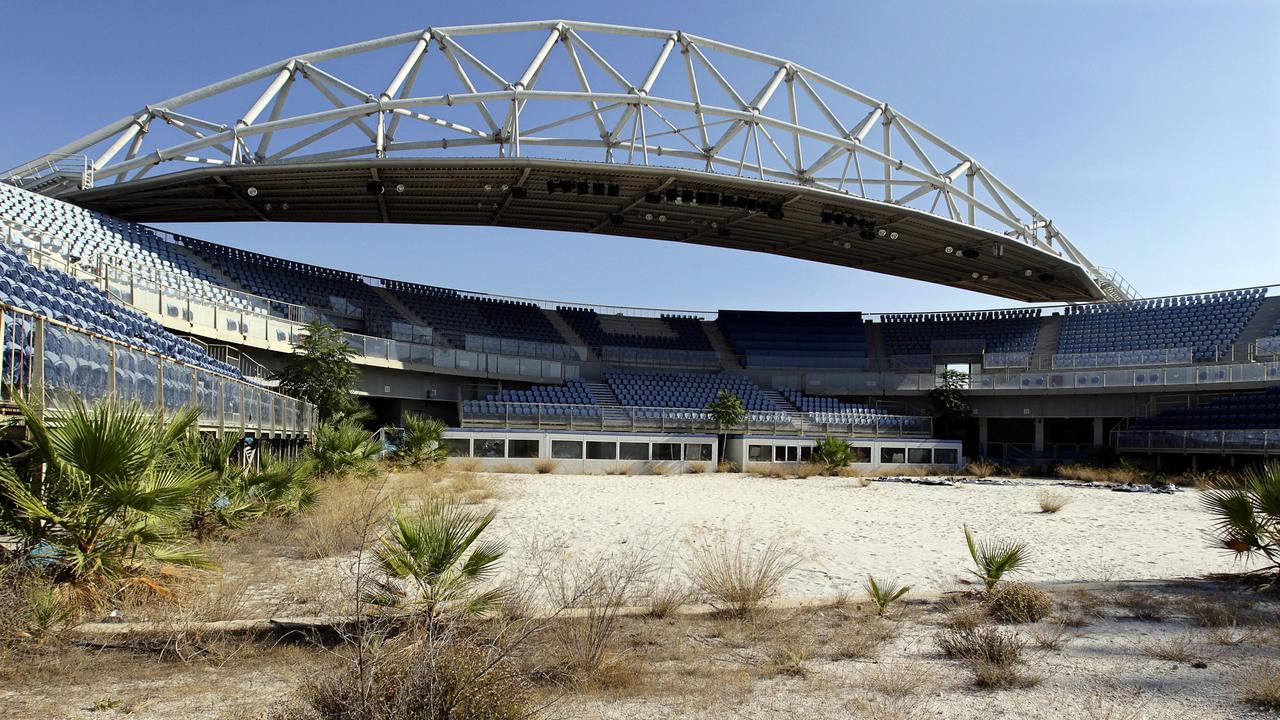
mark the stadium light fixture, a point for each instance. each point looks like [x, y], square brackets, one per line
[949, 249]
[252, 191]
[399, 187]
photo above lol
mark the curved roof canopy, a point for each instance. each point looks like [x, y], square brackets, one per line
[595, 128]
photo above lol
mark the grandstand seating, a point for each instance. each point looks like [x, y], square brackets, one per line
[832, 411]
[684, 390]
[73, 360]
[997, 331]
[1201, 323]
[456, 315]
[286, 281]
[1234, 412]
[669, 332]
[796, 339]
[573, 400]
[84, 237]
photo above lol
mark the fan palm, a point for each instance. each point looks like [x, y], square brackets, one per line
[1246, 511]
[834, 454]
[344, 448]
[884, 592]
[112, 493]
[431, 560]
[420, 443]
[994, 558]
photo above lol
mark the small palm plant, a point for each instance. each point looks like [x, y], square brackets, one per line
[834, 454]
[421, 442]
[344, 448]
[994, 558]
[112, 495]
[432, 561]
[1246, 510]
[884, 593]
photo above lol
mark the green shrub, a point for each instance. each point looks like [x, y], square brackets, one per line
[995, 558]
[344, 448]
[1246, 514]
[421, 442]
[884, 592]
[834, 454]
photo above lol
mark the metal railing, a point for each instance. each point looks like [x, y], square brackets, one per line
[41, 358]
[631, 419]
[1223, 441]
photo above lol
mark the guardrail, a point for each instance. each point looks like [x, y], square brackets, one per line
[41, 358]
[1266, 442]
[696, 420]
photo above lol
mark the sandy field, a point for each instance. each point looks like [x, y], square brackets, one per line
[892, 530]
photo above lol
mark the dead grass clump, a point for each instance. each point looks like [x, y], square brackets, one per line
[664, 598]
[861, 640]
[338, 522]
[808, 470]
[1180, 649]
[965, 617]
[981, 468]
[984, 644]
[1051, 501]
[509, 468]
[1261, 687]
[1015, 602]
[1143, 605]
[472, 488]
[1052, 636]
[618, 469]
[726, 466]
[901, 680]
[787, 661]
[1122, 475]
[463, 464]
[736, 577]
[696, 467]
[661, 469]
[993, 676]
[1219, 611]
[545, 466]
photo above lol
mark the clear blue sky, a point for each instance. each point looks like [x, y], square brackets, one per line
[1148, 129]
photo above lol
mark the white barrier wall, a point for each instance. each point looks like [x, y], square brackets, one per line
[584, 452]
[870, 454]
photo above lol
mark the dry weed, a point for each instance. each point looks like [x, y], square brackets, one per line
[1179, 649]
[737, 577]
[1051, 501]
[338, 522]
[545, 466]
[981, 468]
[1261, 687]
[1143, 604]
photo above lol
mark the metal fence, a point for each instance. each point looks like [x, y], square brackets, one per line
[1265, 442]
[42, 359]
[694, 420]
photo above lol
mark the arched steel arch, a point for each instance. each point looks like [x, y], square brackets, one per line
[694, 105]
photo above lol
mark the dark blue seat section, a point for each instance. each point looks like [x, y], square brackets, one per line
[796, 339]
[668, 332]
[572, 399]
[333, 292]
[1002, 331]
[456, 315]
[1201, 323]
[84, 237]
[684, 390]
[56, 295]
[1257, 411]
[833, 411]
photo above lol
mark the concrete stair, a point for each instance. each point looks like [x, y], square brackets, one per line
[720, 343]
[570, 335]
[782, 403]
[612, 413]
[1261, 322]
[398, 306]
[1047, 341]
[877, 355]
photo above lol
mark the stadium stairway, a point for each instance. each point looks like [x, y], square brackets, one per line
[1262, 322]
[798, 416]
[728, 358]
[571, 336]
[1047, 339]
[877, 357]
[389, 298]
[612, 414]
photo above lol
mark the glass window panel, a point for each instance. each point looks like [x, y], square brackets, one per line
[666, 451]
[700, 452]
[633, 451]
[458, 447]
[893, 455]
[759, 453]
[861, 453]
[920, 456]
[597, 450]
[486, 448]
[946, 456]
[566, 449]
[522, 448]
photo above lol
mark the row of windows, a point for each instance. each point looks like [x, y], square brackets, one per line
[861, 454]
[580, 449]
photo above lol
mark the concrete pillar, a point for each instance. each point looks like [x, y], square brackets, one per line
[982, 437]
[1098, 439]
[1038, 447]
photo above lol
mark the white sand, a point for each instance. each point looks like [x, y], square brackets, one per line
[891, 530]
